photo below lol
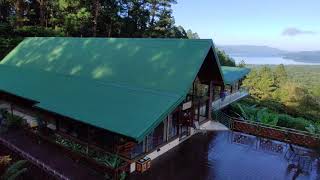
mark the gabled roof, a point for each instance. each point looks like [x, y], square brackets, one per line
[126, 86]
[233, 74]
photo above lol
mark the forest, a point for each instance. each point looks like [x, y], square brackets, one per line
[96, 18]
[285, 96]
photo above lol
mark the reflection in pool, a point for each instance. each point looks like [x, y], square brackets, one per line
[232, 155]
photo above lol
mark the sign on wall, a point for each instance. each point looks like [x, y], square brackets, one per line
[186, 105]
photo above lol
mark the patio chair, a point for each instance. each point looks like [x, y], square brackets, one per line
[198, 128]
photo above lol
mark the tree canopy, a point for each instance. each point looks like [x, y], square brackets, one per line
[80, 18]
[106, 18]
[272, 88]
[94, 18]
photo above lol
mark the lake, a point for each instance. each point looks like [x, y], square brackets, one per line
[269, 60]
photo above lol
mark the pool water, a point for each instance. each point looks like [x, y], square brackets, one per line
[232, 155]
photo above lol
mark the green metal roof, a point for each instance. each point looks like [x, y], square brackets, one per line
[127, 86]
[233, 74]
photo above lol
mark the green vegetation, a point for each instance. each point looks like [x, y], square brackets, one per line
[15, 170]
[282, 96]
[109, 160]
[12, 171]
[225, 59]
[274, 88]
[11, 120]
[266, 116]
[306, 76]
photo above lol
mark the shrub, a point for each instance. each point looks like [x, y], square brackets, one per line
[265, 116]
[294, 123]
[15, 170]
[14, 121]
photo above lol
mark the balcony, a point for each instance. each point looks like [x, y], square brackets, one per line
[228, 99]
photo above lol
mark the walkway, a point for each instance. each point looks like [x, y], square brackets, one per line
[213, 126]
[231, 98]
[51, 156]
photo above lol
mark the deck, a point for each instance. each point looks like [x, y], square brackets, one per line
[213, 126]
[223, 102]
[231, 155]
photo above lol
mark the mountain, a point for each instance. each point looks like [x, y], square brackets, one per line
[304, 56]
[266, 51]
[252, 51]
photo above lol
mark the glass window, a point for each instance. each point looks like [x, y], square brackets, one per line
[156, 137]
[173, 125]
[137, 150]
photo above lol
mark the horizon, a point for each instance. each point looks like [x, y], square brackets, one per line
[287, 26]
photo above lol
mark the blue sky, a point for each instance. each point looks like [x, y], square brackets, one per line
[286, 24]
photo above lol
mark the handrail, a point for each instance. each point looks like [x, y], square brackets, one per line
[222, 102]
[272, 126]
[278, 128]
[33, 160]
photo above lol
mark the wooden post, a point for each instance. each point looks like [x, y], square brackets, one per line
[11, 111]
[209, 108]
[165, 130]
[88, 139]
[57, 125]
[199, 104]
[222, 89]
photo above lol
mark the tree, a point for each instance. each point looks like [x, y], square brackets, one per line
[5, 10]
[261, 83]
[192, 35]
[95, 15]
[280, 75]
[273, 89]
[224, 59]
[42, 12]
[78, 18]
[242, 64]
[267, 83]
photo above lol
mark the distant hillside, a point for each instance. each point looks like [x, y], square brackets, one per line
[266, 51]
[252, 51]
[304, 56]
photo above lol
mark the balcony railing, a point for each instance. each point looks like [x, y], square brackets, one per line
[228, 99]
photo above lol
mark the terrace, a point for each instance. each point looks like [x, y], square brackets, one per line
[233, 155]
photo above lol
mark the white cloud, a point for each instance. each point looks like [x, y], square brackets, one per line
[291, 31]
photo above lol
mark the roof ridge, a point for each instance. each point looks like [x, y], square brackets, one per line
[151, 39]
[105, 83]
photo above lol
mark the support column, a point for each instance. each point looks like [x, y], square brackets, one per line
[165, 130]
[222, 89]
[209, 107]
[88, 139]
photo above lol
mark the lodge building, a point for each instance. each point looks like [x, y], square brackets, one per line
[135, 98]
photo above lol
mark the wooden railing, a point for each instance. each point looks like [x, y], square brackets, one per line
[283, 134]
[114, 172]
[33, 160]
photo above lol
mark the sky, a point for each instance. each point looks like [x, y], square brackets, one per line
[292, 25]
